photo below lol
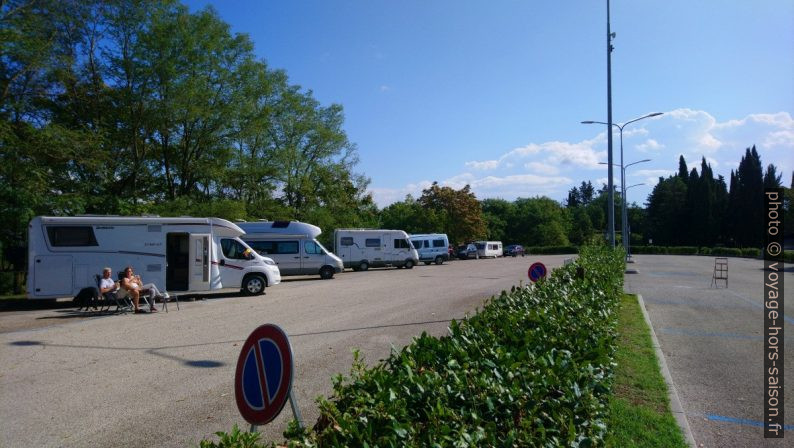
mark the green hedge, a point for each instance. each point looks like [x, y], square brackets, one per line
[532, 368]
[750, 252]
[547, 250]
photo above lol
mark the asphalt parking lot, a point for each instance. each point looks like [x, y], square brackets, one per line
[712, 340]
[167, 379]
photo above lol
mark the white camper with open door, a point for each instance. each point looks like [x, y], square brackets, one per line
[180, 255]
[293, 246]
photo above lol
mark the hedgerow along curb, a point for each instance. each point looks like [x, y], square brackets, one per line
[532, 368]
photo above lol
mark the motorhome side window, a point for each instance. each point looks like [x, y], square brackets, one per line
[346, 241]
[372, 242]
[400, 243]
[439, 243]
[71, 236]
[233, 249]
[312, 248]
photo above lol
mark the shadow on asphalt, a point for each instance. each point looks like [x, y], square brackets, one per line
[35, 304]
[199, 363]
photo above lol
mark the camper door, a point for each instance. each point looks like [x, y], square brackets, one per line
[199, 262]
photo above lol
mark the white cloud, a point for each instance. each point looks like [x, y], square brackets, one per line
[553, 167]
[650, 173]
[650, 145]
[543, 168]
[484, 165]
[385, 88]
[553, 153]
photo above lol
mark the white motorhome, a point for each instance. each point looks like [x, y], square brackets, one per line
[293, 246]
[432, 247]
[361, 249]
[179, 255]
[489, 248]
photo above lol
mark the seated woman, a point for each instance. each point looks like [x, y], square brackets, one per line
[135, 287]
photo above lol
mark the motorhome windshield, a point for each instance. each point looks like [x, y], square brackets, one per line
[314, 247]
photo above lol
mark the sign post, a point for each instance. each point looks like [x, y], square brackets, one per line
[263, 379]
[536, 272]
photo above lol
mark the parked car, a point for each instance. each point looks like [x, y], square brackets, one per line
[467, 251]
[514, 250]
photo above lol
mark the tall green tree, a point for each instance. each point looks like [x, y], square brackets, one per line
[748, 201]
[459, 211]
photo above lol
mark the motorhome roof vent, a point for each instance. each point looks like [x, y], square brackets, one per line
[280, 224]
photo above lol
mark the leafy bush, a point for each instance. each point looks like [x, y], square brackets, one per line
[726, 252]
[682, 250]
[235, 439]
[532, 368]
[749, 252]
[652, 250]
[788, 256]
[546, 250]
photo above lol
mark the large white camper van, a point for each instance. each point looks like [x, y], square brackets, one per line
[361, 249]
[432, 247]
[293, 246]
[179, 255]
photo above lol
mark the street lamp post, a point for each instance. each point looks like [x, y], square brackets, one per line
[624, 215]
[622, 171]
[628, 241]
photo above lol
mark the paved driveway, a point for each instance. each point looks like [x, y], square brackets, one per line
[167, 379]
[712, 340]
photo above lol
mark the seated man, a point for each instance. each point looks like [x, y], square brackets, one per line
[135, 287]
[106, 283]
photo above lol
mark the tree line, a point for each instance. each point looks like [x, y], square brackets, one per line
[136, 107]
[711, 211]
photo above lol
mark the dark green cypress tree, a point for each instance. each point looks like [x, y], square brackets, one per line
[682, 169]
[771, 178]
[749, 204]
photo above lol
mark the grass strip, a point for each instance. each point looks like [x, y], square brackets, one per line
[639, 409]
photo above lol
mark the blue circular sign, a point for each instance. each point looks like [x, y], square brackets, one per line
[263, 378]
[537, 271]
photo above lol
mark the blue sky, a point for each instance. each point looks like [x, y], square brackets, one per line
[493, 93]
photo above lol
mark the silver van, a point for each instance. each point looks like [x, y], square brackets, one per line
[432, 247]
[294, 253]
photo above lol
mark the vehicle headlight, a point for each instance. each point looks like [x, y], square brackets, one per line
[270, 262]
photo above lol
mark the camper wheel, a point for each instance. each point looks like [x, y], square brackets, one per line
[439, 260]
[363, 266]
[409, 264]
[254, 285]
[326, 273]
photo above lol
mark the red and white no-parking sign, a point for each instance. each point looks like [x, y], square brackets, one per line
[263, 379]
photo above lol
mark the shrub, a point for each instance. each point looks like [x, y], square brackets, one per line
[548, 250]
[788, 256]
[532, 368]
[682, 250]
[726, 252]
[752, 252]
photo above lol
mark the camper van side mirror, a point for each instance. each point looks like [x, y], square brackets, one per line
[222, 262]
